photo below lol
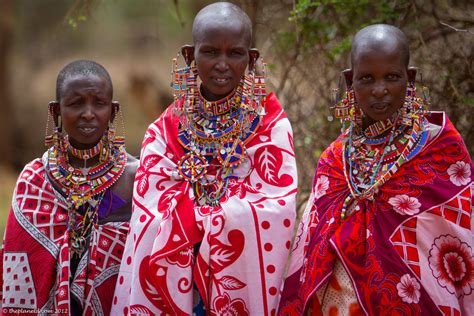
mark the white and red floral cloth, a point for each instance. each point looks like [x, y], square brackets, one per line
[244, 242]
[409, 251]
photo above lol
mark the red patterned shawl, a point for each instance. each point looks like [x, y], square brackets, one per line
[244, 242]
[408, 252]
[36, 255]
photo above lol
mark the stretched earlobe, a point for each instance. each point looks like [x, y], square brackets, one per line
[55, 111]
[348, 76]
[188, 53]
[411, 72]
[115, 110]
[254, 54]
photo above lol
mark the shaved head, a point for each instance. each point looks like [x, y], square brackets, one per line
[380, 37]
[221, 14]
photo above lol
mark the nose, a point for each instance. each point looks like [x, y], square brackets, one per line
[379, 89]
[222, 64]
[88, 112]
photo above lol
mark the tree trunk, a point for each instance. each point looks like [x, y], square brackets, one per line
[6, 106]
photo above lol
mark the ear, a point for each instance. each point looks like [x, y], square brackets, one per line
[55, 111]
[188, 53]
[348, 76]
[411, 72]
[254, 54]
[115, 110]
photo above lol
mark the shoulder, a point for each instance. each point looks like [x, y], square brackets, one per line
[132, 164]
[443, 131]
[124, 185]
[128, 175]
[35, 166]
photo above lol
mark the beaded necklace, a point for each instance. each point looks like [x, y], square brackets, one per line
[84, 188]
[83, 153]
[403, 142]
[214, 135]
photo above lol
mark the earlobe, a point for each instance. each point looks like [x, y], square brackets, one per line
[254, 54]
[411, 73]
[188, 53]
[115, 110]
[348, 76]
[55, 111]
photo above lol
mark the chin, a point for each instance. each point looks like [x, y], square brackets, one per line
[84, 143]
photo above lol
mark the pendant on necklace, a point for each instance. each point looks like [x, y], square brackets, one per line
[85, 171]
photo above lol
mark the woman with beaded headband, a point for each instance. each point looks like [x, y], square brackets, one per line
[214, 196]
[71, 208]
[387, 229]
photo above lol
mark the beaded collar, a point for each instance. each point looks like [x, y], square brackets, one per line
[214, 135]
[83, 153]
[78, 185]
[83, 189]
[371, 164]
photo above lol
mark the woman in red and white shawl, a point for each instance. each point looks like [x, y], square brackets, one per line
[214, 196]
[68, 222]
[388, 228]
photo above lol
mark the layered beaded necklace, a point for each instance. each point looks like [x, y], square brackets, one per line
[214, 135]
[372, 156]
[84, 188]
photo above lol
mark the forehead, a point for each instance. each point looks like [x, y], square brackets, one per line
[377, 55]
[231, 31]
[75, 83]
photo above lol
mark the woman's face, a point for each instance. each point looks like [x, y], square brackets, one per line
[379, 82]
[222, 55]
[85, 108]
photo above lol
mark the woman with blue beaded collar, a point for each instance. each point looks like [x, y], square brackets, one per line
[215, 192]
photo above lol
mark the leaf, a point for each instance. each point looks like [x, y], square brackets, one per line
[142, 185]
[140, 310]
[266, 164]
[150, 161]
[231, 283]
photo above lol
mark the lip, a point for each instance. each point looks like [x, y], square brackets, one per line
[221, 81]
[380, 107]
[87, 130]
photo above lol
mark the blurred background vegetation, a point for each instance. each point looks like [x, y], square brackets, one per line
[305, 43]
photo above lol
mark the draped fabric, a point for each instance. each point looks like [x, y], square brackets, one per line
[244, 242]
[408, 251]
[36, 264]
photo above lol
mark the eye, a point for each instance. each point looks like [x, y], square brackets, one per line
[392, 77]
[365, 78]
[73, 102]
[237, 52]
[210, 52]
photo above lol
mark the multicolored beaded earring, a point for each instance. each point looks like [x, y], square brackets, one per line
[345, 106]
[54, 138]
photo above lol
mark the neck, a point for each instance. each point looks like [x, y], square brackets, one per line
[207, 96]
[83, 163]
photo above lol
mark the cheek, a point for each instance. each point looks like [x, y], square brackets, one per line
[240, 67]
[361, 95]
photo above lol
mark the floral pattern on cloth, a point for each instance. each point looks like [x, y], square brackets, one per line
[36, 268]
[245, 241]
[409, 251]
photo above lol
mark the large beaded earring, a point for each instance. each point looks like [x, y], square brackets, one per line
[260, 91]
[345, 106]
[49, 135]
[56, 138]
[179, 83]
[414, 107]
